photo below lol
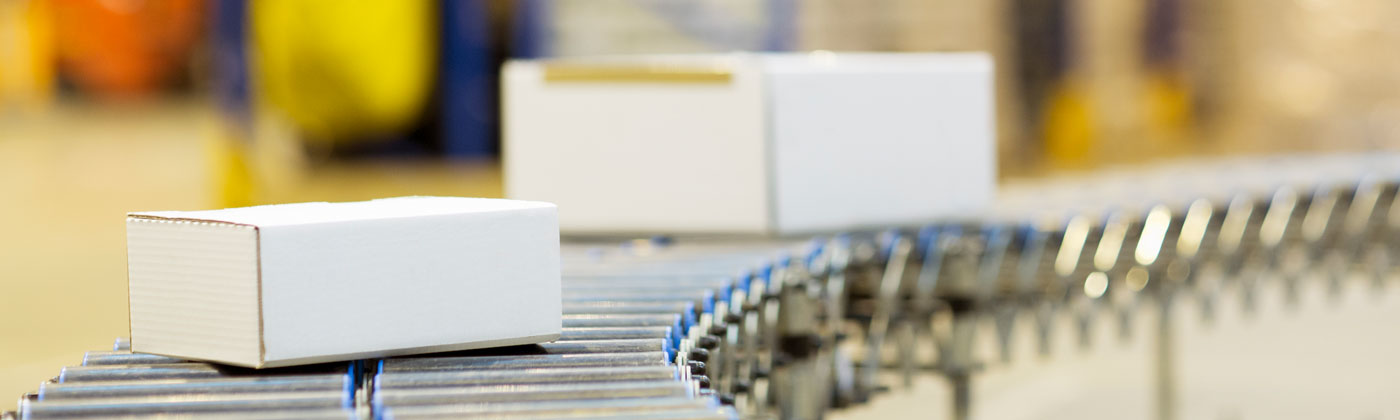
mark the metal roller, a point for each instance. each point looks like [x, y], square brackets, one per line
[262, 384]
[439, 379]
[531, 361]
[536, 409]
[533, 392]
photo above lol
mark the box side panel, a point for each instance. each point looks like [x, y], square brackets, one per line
[626, 156]
[377, 286]
[194, 289]
[881, 142]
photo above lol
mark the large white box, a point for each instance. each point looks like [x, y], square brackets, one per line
[751, 143]
[316, 282]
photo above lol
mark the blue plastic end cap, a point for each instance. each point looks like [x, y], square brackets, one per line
[690, 313]
[670, 351]
[685, 321]
[726, 289]
[766, 274]
[888, 239]
[926, 238]
[1026, 227]
[377, 405]
[812, 256]
[675, 335]
[677, 327]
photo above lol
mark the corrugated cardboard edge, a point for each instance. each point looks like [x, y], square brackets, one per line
[257, 240]
[127, 225]
[262, 340]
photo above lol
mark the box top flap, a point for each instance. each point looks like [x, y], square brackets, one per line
[322, 212]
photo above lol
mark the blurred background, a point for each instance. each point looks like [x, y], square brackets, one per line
[109, 106]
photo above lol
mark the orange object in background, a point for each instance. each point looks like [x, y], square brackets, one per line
[125, 48]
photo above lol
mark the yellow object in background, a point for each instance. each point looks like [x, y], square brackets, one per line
[1068, 124]
[345, 70]
[1168, 103]
[27, 51]
[234, 181]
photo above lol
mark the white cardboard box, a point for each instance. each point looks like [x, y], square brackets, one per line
[315, 282]
[744, 143]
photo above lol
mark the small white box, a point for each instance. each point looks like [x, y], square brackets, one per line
[745, 143]
[316, 282]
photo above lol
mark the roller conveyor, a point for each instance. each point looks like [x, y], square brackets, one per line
[663, 328]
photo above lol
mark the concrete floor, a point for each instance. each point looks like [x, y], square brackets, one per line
[66, 181]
